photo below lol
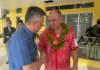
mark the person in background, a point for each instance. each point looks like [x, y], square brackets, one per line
[96, 29]
[8, 31]
[94, 48]
[20, 22]
[22, 50]
[58, 41]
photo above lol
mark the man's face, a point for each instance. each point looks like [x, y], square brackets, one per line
[9, 23]
[39, 23]
[55, 20]
[19, 25]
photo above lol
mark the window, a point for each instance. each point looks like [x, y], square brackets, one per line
[71, 6]
[51, 8]
[67, 6]
[7, 18]
[85, 5]
[47, 22]
[64, 18]
[19, 10]
[18, 18]
[7, 11]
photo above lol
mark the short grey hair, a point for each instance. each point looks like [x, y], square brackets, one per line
[58, 12]
[33, 12]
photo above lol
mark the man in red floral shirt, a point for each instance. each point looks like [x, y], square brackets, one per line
[58, 41]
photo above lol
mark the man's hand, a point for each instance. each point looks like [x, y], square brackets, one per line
[43, 57]
[7, 36]
[16, 28]
[74, 68]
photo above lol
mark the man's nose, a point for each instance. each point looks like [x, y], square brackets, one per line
[51, 22]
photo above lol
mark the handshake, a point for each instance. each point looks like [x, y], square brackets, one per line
[43, 57]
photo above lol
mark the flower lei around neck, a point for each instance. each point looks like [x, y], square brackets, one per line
[57, 44]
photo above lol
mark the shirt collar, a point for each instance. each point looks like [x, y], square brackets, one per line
[9, 27]
[28, 31]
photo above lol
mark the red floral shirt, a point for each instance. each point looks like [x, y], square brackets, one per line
[61, 59]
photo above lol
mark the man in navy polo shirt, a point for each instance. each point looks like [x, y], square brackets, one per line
[22, 50]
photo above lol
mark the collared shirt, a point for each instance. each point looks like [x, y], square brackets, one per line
[61, 59]
[20, 50]
[9, 28]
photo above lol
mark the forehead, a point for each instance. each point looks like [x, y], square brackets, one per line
[20, 23]
[8, 21]
[53, 15]
[40, 19]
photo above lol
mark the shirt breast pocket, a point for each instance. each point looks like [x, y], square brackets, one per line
[67, 43]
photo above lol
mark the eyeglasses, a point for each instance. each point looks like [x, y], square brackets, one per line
[40, 23]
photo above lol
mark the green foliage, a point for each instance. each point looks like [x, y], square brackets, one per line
[36, 36]
[61, 37]
[49, 38]
[1, 35]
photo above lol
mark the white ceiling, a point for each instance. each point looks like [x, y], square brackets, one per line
[12, 4]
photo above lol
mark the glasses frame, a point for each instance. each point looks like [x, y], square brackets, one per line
[40, 23]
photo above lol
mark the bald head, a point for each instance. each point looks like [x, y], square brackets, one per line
[58, 12]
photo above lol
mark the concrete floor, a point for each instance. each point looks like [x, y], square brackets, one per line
[4, 66]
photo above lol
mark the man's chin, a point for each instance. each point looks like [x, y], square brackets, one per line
[53, 27]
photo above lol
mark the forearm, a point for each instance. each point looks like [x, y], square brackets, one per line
[34, 66]
[7, 33]
[37, 64]
[75, 58]
[41, 50]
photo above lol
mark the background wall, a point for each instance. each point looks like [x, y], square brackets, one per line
[13, 13]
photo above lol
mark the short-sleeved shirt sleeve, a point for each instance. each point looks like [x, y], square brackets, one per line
[74, 44]
[42, 41]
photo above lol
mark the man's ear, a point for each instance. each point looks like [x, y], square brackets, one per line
[33, 23]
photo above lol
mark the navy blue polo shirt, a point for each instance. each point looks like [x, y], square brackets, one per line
[20, 50]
